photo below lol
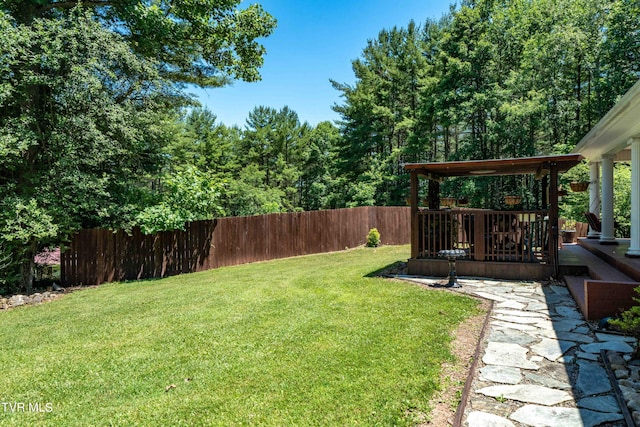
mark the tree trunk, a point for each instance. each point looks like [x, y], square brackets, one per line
[28, 266]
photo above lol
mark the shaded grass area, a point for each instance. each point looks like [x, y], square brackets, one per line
[301, 341]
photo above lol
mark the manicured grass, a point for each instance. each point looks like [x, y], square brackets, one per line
[301, 341]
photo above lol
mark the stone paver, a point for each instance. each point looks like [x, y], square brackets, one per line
[543, 416]
[501, 374]
[541, 361]
[507, 354]
[529, 393]
[484, 419]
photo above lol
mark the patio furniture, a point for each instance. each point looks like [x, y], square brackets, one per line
[594, 221]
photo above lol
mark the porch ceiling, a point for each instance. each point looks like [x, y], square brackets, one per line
[612, 133]
[538, 166]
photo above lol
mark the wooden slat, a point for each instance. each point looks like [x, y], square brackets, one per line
[98, 256]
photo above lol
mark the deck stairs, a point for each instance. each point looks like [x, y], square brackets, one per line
[596, 282]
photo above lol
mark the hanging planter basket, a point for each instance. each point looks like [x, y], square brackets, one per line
[577, 187]
[447, 201]
[512, 200]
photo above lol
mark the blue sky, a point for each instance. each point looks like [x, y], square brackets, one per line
[315, 41]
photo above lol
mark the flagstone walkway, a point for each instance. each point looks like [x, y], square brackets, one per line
[540, 362]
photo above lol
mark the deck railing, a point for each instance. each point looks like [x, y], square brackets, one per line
[517, 236]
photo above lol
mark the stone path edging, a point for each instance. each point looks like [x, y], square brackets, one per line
[541, 363]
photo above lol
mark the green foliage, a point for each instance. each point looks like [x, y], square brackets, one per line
[276, 164]
[622, 202]
[75, 134]
[187, 195]
[489, 80]
[205, 42]
[373, 238]
[629, 321]
[88, 93]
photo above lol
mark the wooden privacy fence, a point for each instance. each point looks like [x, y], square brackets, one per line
[97, 256]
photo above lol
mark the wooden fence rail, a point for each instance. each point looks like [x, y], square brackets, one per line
[99, 256]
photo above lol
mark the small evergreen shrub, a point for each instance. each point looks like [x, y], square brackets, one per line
[629, 321]
[373, 238]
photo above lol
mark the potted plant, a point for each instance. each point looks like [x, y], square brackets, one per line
[512, 200]
[578, 177]
[569, 231]
[578, 186]
[447, 201]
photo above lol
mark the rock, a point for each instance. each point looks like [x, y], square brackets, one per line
[592, 378]
[511, 304]
[500, 374]
[628, 392]
[600, 404]
[527, 393]
[516, 319]
[621, 373]
[547, 381]
[615, 359]
[620, 346]
[552, 349]
[541, 416]
[569, 312]
[16, 300]
[634, 373]
[636, 417]
[567, 325]
[511, 336]
[602, 336]
[629, 384]
[587, 356]
[506, 354]
[484, 419]
[634, 404]
[560, 290]
[516, 326]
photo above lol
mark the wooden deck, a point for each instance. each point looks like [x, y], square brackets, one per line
[600, 278]
[511, 244]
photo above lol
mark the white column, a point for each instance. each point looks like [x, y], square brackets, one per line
[607, 237]
[634, 246]
[594, 195]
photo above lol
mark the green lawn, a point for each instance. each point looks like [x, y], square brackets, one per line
[302, 341]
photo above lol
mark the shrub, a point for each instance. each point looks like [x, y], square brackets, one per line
[629, 321]
[373, 238]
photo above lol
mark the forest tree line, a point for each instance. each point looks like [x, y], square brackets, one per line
[488, 80]
[97, 129]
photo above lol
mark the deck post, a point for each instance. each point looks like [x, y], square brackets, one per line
[634, 247]
[434, 194]
[545, 192]
[594, 195]
[553, 216]
[414, 214]
[479, 237]
[607, 236]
